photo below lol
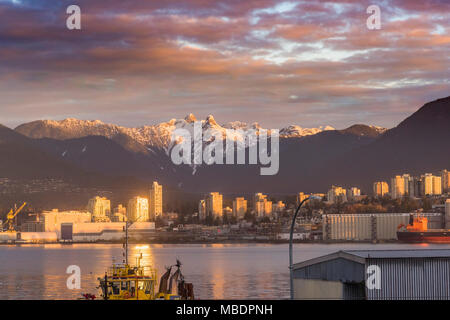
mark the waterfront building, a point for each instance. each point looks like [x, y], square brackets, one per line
[156, 202]
[214, 205]
[138, 209]
[380, 189]
[239, 207]
[100, 208]
[374, 275]
[370, 226]
[337, 194]
[54, 218]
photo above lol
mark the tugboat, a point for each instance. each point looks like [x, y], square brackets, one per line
[417, 232]
[126, 282]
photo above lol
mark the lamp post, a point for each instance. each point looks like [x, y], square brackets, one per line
[291, 238]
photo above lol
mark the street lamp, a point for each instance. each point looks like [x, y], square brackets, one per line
[291, 238]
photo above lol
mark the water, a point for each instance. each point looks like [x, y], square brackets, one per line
[218, 271]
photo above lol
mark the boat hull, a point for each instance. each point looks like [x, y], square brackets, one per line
[438, 236]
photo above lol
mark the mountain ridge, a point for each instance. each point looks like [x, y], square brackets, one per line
[148, 135]
[355, 156]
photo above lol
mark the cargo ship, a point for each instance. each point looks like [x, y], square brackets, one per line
[417, 232]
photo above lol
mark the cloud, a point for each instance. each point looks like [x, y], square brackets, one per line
[302, 62]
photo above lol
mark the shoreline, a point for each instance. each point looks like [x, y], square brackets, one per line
[273, 242]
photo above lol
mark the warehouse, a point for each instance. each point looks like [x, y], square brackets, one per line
[422, 274]
[371, 226]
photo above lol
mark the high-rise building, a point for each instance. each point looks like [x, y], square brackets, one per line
[353, 194]
[418, 187]
[445, 179]
[261, 205]
[202, 210]
[138, 209]
[337, 194]
[412, 187]
[407, 181]
[437, 185]
[156, 203]
[100, 208]
[268, 207]
[427, 185]
[398, 189]
[239, 207]
[380, 189]
[214, 205]
[431, 185]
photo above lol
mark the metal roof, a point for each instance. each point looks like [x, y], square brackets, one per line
[359, 256]
[411, 253]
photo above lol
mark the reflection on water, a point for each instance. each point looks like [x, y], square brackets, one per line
[218, 271]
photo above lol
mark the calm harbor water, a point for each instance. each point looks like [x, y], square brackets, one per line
[218, 271]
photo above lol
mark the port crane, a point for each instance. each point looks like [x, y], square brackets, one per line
[8, 225]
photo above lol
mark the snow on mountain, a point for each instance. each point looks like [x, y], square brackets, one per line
[380, 130]
[152, 136]
[297, 131]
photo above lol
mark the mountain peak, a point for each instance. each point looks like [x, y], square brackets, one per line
[210, 120]
[364, 130]
[297, 131]
[190, 118]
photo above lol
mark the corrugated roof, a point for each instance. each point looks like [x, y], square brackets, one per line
[359, 256]
[411, 253]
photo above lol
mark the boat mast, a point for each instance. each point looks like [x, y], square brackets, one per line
[126, 244]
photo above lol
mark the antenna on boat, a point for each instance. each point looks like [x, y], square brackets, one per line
[125, 245]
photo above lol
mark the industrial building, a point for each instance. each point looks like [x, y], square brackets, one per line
[375, 275]
[77, 226]
[371, 226]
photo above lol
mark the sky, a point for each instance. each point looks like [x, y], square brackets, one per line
[308, 63]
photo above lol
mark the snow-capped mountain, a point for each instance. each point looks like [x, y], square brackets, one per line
[297, 131]
[152, 136]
